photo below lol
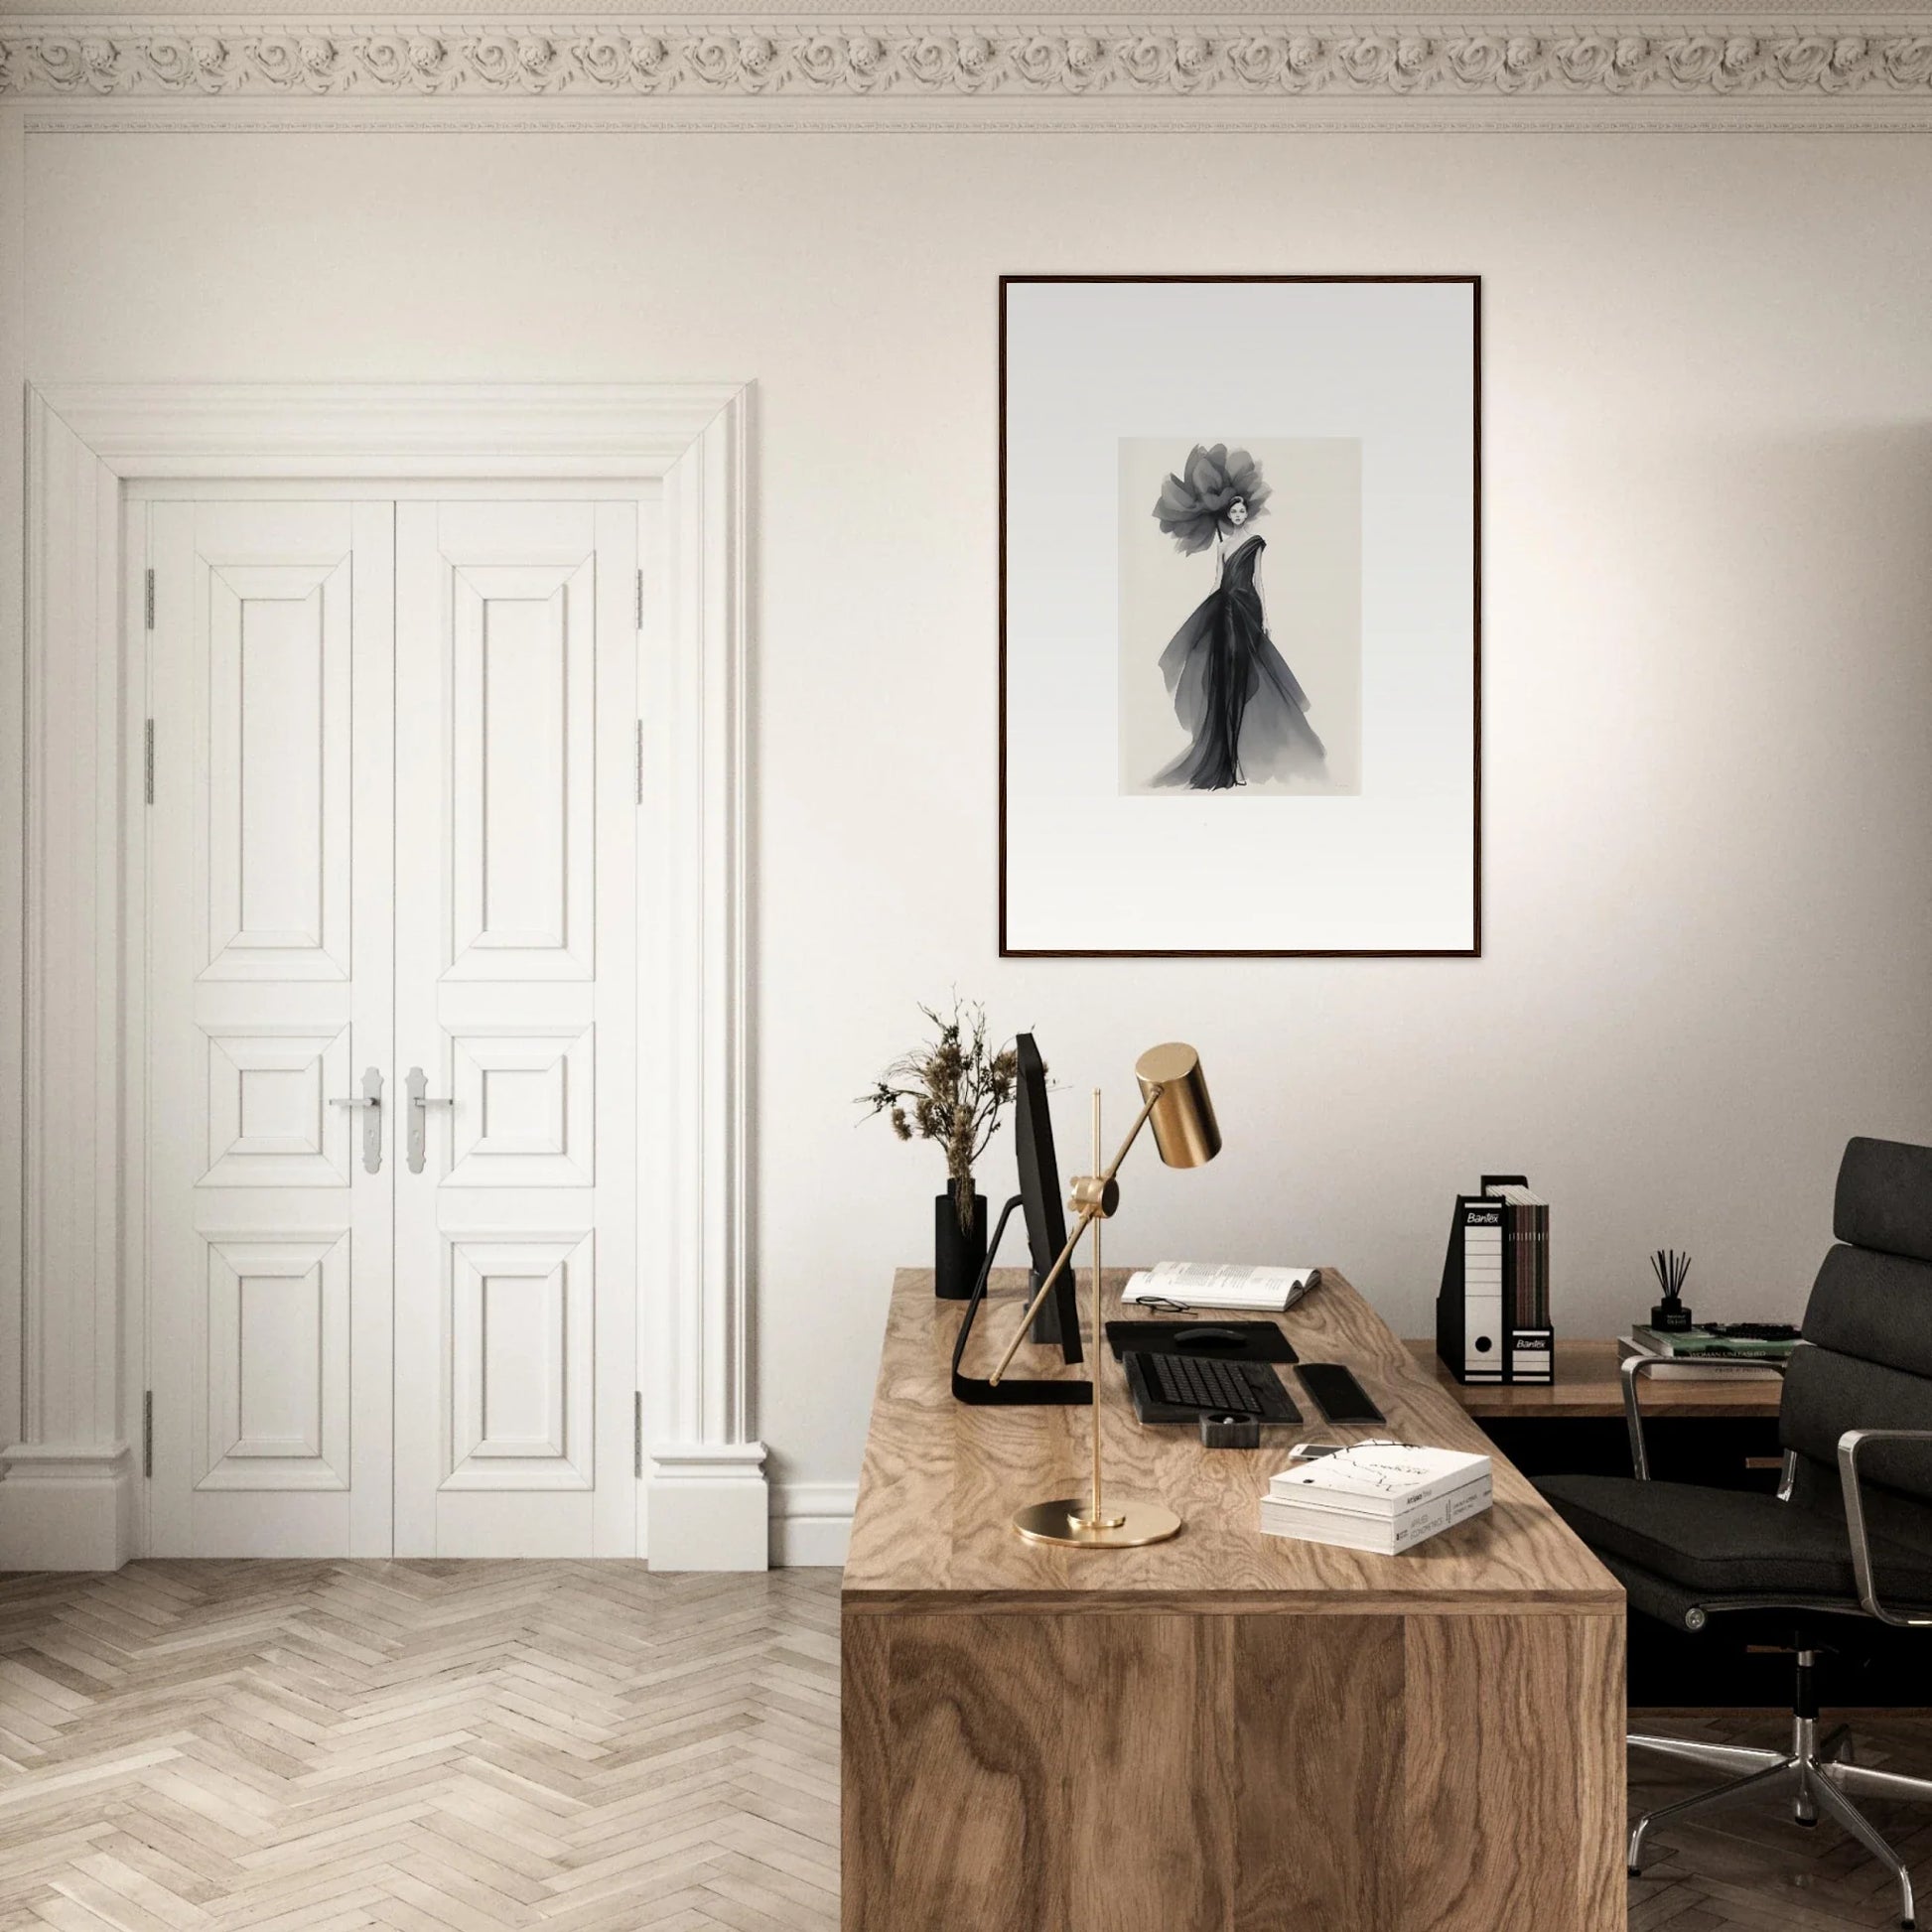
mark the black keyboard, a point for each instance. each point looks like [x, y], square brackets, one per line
[1207, 1387]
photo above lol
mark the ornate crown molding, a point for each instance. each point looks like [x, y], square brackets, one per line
[610, 61]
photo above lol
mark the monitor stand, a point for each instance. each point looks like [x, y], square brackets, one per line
[1010, 1391]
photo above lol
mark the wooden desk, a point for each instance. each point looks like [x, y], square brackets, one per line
[1587, 1385]
[1227, 1733]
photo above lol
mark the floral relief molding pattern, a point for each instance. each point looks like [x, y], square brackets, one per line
[1821, 65]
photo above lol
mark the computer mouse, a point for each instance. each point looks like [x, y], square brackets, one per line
[1208, 1337]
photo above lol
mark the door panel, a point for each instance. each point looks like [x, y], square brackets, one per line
[270, 892]
[278, 1362]
[520, 1333]
[279, 752]
[524, 1107]
[515, 982]
[270, 1123]
[520, 797]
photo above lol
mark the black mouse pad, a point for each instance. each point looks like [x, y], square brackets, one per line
[1221, 1341]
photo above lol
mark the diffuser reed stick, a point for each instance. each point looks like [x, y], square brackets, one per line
[1671, 1267]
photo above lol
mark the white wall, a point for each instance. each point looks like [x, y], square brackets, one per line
[1708, 642]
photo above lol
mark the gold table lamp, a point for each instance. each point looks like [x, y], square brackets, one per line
[1175, 1103]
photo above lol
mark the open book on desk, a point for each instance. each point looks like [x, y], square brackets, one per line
[1218, 1284]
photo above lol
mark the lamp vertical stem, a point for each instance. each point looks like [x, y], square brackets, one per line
[1098, 1331]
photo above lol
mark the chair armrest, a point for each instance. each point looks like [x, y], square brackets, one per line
[1635, 1368]
[1848, 1445]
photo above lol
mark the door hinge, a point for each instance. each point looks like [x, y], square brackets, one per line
[640, 597]
[638, 1434]
[147, 1433]
[147, 761]
[150, 600]
[641, 760]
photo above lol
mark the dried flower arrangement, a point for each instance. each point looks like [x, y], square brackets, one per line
[953, 1091]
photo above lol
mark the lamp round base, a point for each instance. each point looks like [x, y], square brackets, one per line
[1062, 1521]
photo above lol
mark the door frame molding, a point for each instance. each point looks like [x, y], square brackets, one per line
[70, 1425]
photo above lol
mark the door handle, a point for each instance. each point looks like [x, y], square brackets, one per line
[420, 1102]
[370, 1099]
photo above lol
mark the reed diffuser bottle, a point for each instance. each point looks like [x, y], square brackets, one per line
[1670, 1316]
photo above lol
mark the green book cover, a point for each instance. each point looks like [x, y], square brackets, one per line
[1701, 1342]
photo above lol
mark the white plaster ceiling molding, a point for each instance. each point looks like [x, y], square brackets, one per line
[1830, 64]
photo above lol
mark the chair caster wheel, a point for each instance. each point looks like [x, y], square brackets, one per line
[1633, 1872]
[1809, 1824]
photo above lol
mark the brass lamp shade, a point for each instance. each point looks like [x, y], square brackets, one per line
[1181, 1113]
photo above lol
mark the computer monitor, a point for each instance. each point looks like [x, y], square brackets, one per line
[1039, 1199]
[1040, 1196]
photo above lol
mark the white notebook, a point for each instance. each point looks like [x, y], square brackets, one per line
[1219, 1285]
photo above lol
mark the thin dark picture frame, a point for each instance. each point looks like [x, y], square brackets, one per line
[1471, 951]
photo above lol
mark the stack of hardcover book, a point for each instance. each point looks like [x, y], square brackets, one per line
[1690, 1355]
[1380, 1496]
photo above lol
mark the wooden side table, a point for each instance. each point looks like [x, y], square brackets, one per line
[1721, 1434]
[1587, 1385]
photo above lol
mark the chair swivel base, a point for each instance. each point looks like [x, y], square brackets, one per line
[1818, 1773]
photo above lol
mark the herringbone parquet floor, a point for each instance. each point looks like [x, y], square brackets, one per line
[460, 1747]
[429, 1747]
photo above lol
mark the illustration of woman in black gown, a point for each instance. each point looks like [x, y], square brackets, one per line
[1232, 691]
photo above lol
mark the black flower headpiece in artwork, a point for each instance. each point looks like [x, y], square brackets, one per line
[1217, 491]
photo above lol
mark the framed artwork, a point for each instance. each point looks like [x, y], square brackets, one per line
[1240, 664]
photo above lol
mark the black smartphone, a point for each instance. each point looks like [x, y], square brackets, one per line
[1336, 1393]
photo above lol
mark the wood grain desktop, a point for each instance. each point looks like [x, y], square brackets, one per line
[1227, 1733]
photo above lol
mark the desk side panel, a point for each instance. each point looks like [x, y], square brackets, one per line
[1318, 1726]
[955, 1780]
[865, 1771]
[1154, 1791]
[1515, 1774]
[1138, 1772]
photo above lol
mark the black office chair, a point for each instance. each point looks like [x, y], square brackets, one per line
[1848, 1538]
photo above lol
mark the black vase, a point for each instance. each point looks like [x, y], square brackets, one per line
[957, 1255]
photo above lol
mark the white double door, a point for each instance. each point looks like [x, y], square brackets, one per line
[390, 1026]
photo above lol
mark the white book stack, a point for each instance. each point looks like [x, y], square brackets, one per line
[1379, 1496]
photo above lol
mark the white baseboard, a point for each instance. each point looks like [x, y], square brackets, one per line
[67, 1506]
[709, 1507]
[811, 1524]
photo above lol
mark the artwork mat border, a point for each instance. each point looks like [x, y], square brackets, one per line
[1475, 948]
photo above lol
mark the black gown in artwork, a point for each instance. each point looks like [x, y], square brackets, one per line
[1233, 693]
